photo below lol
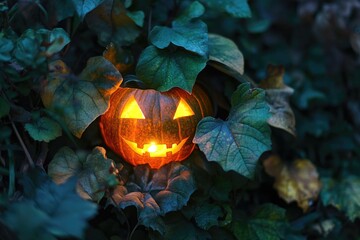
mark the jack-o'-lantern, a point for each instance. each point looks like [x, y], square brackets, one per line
[152, 127]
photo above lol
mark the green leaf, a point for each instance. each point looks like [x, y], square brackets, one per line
[192, 36]
[236, 144]
[207, 215]
[6, 46]
[53, 209]
[83, 7]
[268, 222]
[93, 171]
[58, 39]
[112, 22]
[234, 8]
[163, 69]
[225, 56]
[27, 51]
[137, 17]
[4, 107]
[80, 100]
[43, 129]
[343, 194]
[156, 192]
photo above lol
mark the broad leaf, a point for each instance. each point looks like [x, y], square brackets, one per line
[93, 171]
[234, 8]
[122, 59]
[83, 7]
[80, 100]
[54, 209]
[343, 194]
[225, 56]
[156, 192]
[185, 32]
[297, 181]
[58, 39]
[267, 222]
[191, 36]
[207, 215]
[112, 22]
[163, 69]
[43, 129]
[236, 144]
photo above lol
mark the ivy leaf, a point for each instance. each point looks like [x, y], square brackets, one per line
[6, 46]
[83, 7]
[236, 144]
[93, 171]
[234, 8]
[57, 210]
[268, 222]
[156, 192]
[297, 181]
[163, 69]
[225, 56]
[343, 194]
[207, 215]
[192, 36]
[112, 22]
[43, 129]
[80, 100]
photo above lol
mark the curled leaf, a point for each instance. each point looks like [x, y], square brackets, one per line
[156, 192]
[93, 171]
[80, 100]
[297, 181]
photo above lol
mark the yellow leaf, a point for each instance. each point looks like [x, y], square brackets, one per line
[274, 78]
[296, 181]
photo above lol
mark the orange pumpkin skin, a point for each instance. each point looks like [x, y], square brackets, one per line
[156, 128]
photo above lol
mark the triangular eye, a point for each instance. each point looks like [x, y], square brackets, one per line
[183, 110]
[132, 110]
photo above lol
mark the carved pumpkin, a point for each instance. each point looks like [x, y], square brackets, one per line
[151, 127]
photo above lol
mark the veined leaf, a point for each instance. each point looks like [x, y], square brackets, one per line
[234, 8]
[225, 56]
[93, 171]
[43, 129]
[236, 144]
[83, 7]
[80, 100]
[163, 69]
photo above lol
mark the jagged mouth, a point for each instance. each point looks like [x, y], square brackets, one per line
[156, 150]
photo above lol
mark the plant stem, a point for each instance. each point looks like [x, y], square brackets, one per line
[28, 156]
[11, 189]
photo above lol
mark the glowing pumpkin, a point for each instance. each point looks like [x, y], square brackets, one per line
[151, 127]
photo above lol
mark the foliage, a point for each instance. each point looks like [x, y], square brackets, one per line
[266, 65]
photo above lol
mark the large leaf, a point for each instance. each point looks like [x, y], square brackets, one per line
[163, 69]
[343, 194]
[43, 129]
[112, 22]
[156, 192]
[80, 100]
[192, 36]
[297, 181]
[234, 8]
[267, 222]
[236, 144]
[185, 32]
[225, 56]
[93, 171]
[53, 209]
